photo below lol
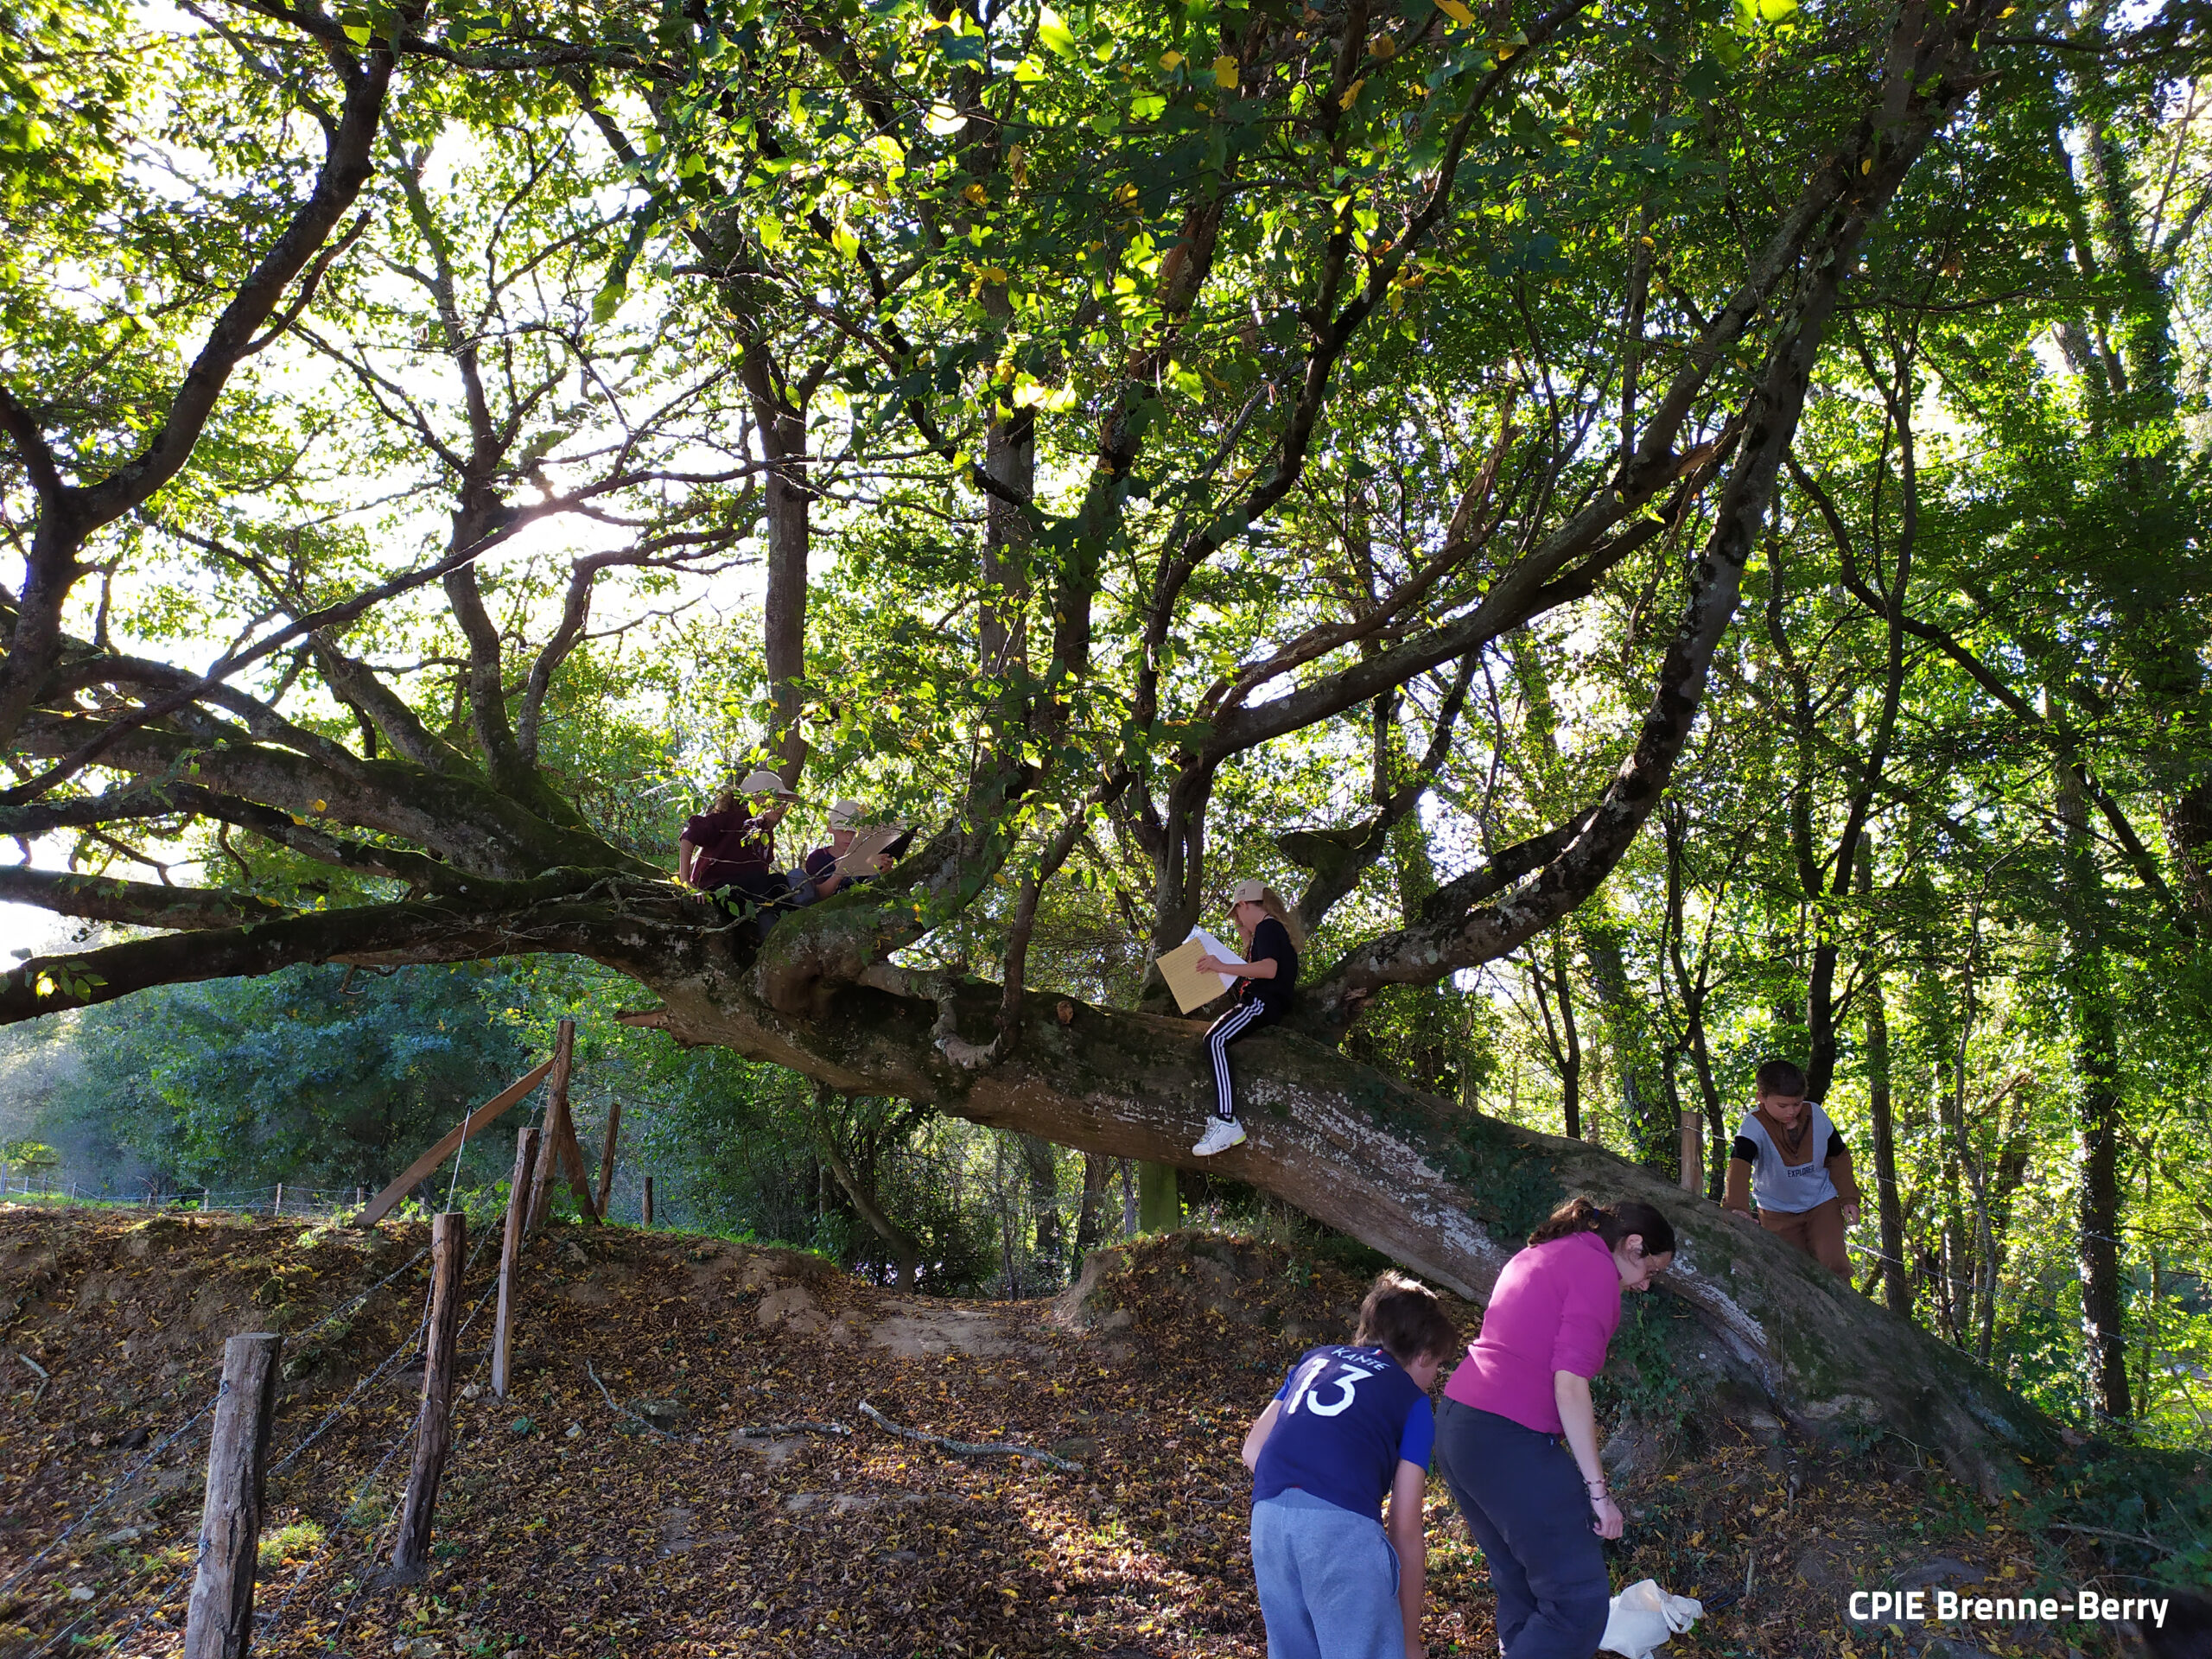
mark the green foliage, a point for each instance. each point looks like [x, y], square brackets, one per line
[1640, 1383]
[318, 1076]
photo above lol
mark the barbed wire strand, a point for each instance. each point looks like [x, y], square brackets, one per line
[131, 1474]
[323, 1549]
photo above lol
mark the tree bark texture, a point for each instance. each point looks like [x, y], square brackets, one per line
[1889, 1202]
[2097, 1113]
[518, 1202]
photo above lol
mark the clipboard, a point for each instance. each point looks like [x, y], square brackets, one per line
[1178, 967]
[859, 859]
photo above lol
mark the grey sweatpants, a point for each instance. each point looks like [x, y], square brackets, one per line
[1328, 1581]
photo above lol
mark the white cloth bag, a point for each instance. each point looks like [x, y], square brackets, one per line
[1643, 1615]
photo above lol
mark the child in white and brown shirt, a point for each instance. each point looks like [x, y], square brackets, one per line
[1790, 1157]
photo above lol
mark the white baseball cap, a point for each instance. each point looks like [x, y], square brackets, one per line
[1249, 893]
[761, 781]
[845, 813]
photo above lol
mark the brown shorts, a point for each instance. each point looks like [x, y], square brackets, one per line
[1817, 1231]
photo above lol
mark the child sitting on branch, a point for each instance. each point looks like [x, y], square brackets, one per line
[729, 850]
[1266, 982]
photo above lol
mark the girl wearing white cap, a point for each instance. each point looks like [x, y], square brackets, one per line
[817, 877]
[1267, 981]
[732, 847]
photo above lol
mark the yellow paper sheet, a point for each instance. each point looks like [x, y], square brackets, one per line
[1178, 967]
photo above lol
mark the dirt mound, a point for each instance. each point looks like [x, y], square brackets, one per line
[1254, 1298]
[614, 1504]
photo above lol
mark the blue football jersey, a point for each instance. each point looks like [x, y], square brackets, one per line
[1349, 1417]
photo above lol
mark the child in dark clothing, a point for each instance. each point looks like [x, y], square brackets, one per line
[731, 847]
[1266, 982]
[1350, 1424]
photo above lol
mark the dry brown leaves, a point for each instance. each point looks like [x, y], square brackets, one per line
[567, 1530]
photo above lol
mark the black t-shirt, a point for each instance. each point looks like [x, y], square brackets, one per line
[1271, 940]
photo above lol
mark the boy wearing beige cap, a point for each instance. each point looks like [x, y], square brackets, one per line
[820, 876]
[1266, 982]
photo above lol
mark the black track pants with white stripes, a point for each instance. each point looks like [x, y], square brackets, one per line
[1223, 1032]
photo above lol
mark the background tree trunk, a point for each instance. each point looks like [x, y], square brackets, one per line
[2096, 1105]
[1896, 1285]
[1090, 1215]
[1041, 1160]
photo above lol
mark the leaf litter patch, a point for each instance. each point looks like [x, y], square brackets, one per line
[567, 1529]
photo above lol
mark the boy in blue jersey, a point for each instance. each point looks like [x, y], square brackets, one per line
[1351, 1424]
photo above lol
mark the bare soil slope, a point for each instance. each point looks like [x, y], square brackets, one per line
[570, 1526]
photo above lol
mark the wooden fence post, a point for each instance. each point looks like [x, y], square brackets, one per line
[278, 1208]
[518, 1196]
[541, 1184]
[218, 1623]
[558, 1153]
[607, 1156]
[649, 1200]
[410, 1555]
[548, 1147]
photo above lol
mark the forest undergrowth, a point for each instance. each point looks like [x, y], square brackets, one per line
[584, 1523]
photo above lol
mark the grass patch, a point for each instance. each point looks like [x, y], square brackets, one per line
[301, 1538]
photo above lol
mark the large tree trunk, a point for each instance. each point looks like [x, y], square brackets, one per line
[1447, 1192]
[2097, 1113]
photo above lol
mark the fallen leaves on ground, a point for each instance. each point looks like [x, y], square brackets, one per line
[567, 1529]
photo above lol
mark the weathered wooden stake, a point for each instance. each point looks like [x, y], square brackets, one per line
[218, 1623]
[278, 1208]
[1693, 1129]
[511, 1249]
[410, 1555]
[607, 1156]
[649, 1200]
[558, 1154]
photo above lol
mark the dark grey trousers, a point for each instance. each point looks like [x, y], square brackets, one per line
[1525, 1503]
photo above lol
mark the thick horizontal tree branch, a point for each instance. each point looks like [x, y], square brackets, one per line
[477, 828]
[132, 904]
[555, 912]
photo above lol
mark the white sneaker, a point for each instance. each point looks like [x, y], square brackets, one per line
[1221, 1135]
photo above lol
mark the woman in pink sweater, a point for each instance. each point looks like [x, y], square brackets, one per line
[1517, 1439]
